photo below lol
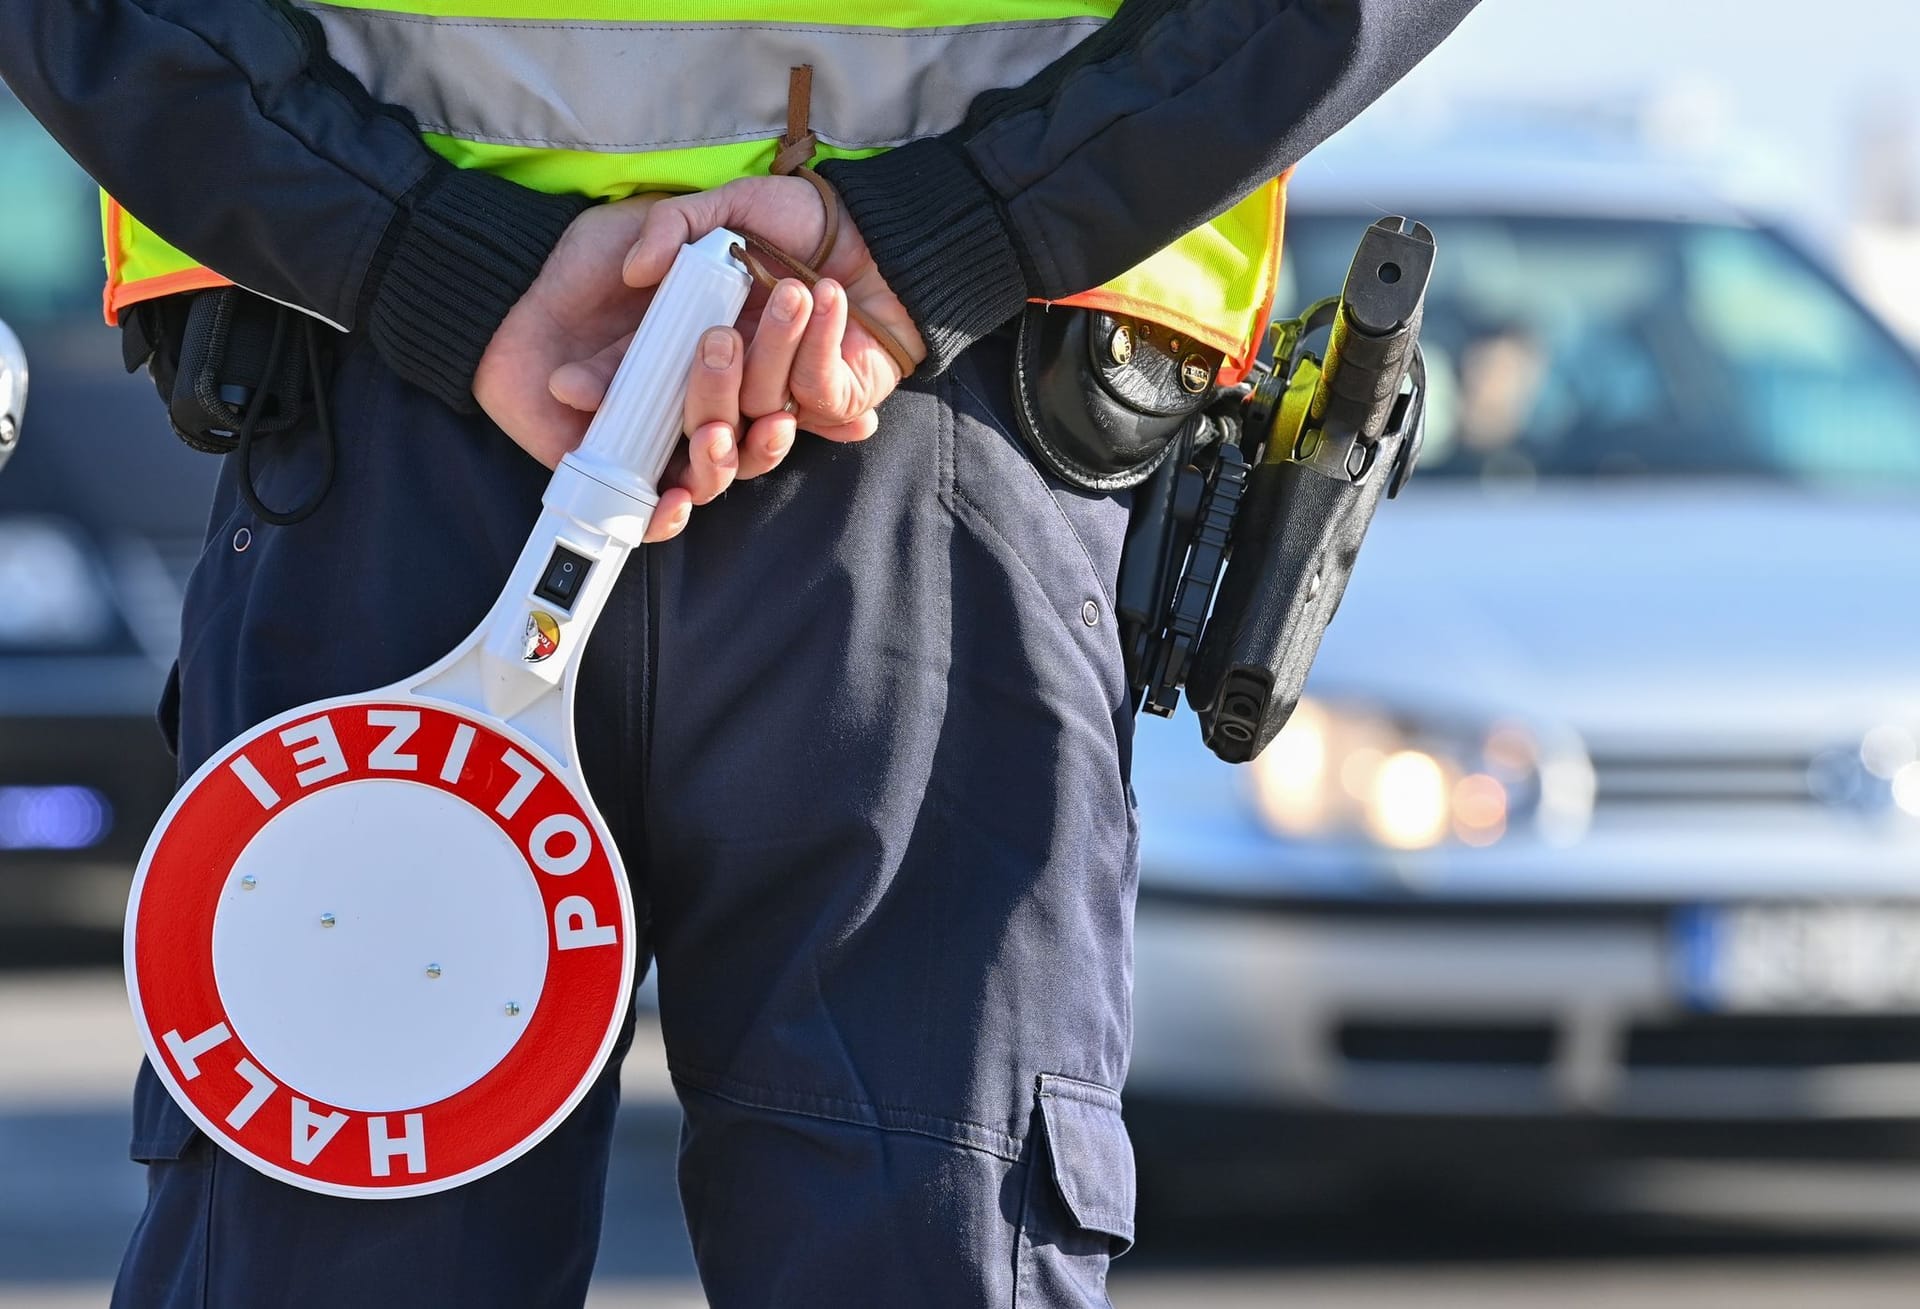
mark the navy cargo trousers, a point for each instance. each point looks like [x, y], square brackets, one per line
[862, 737]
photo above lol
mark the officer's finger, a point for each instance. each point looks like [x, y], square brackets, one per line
[712, 416]
[670, 225]
[820, 380]
[713, 383]
[859, 429]
[767, 443]
[770, 353]
[583, 384]
[712, 460]
[670, 516]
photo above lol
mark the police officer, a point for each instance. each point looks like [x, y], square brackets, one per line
[861, 729]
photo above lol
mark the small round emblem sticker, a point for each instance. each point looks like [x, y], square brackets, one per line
[543, 636]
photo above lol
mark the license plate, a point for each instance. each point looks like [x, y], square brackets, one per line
[1819, 957]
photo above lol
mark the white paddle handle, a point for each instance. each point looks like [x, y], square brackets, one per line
[518, 665]
[639, 421]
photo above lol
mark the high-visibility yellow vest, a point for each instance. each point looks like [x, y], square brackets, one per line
[606, 98]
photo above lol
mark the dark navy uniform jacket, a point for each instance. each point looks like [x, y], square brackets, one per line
[299, 187]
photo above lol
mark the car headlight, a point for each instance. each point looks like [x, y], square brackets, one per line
[52, 596]
[1344, 770]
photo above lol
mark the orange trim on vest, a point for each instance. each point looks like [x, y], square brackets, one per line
[119, 298]
[1276, 231]
[116, 296]
[112, 226]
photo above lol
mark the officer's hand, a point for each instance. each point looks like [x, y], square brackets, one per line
[574, 308]
[569, 311]
[796, 345]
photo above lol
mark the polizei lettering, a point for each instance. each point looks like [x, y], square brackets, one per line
[388, 741]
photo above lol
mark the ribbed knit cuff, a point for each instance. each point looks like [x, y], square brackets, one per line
[940, 240]
[463, 252]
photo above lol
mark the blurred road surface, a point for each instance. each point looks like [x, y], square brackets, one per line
[1703, 1237]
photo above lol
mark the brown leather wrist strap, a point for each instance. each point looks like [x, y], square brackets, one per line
[757, 254]
[796, 149]
[795, 155]
[797, 146]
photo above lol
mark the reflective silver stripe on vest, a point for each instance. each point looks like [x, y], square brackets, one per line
[627, 87]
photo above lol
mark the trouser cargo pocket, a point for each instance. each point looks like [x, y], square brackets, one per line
[1078, 1214]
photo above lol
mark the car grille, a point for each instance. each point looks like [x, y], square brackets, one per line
[1774, 1041]
[1503, 1044]
[1704, 1042]
[1650, 778]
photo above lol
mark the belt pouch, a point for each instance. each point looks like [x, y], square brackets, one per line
[1101, 396]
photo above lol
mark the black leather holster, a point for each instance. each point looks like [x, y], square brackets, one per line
[1100, 397]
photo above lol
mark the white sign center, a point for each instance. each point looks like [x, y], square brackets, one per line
[369, 922]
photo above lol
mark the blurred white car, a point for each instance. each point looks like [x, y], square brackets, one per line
[1603, 814]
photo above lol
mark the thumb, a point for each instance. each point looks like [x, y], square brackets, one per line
[670, 225]
[583, 385]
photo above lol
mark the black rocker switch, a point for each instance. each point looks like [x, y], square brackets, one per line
[565, 574]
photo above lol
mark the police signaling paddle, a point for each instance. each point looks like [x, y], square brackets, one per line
[381, 945]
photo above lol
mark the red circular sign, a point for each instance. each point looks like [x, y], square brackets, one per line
[535, 1063]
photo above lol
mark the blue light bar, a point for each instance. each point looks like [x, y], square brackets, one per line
[53, 817]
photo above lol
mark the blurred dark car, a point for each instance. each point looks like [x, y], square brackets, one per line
[1599, 832]
[101, 515]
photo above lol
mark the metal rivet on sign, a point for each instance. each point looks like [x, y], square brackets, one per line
[248, 882]
[433, 970]
[1090, 614]
[1195, 376]
[513, 1008]
[326, 920]
[1120, 345]
[242, 539]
